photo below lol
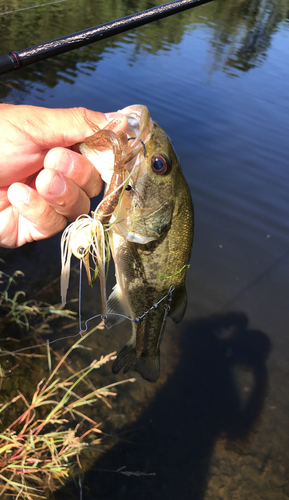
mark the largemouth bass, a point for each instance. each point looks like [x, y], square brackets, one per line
[151, 241]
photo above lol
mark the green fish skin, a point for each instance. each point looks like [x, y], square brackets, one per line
[151, 244]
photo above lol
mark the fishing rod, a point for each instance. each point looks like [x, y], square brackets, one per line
[25, 57]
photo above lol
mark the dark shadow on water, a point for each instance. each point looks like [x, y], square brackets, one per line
[201, 401]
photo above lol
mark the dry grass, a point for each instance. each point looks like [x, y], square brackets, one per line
[15, 309]
[39, 452]
[41, 448]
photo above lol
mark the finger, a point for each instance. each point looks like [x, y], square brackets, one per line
[50, 128]
[75, 167]
[62, 194]
[38, 220]
[30, 131]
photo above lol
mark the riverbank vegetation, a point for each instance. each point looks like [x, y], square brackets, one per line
[48, 423]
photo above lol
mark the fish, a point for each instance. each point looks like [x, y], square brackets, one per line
[151, 239]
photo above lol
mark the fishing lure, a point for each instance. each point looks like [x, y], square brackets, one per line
[86, 236]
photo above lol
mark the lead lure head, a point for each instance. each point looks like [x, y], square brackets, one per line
[76, 240]
[84, 238]
[81, 244]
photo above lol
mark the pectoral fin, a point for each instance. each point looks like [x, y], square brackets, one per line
[179, 305]
[115, 309]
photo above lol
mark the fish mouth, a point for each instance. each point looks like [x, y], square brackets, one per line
[139, 127]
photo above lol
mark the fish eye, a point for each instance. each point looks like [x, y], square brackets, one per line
[159, 164]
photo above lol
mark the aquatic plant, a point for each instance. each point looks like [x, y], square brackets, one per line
[40, 448]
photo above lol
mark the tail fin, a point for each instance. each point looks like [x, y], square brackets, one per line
[147, 366]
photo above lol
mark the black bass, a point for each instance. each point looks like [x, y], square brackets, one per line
[151, 241]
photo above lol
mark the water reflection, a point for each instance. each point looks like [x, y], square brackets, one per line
[240, 36]
[175, 436]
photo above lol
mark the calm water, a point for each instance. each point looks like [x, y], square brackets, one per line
[216, 79]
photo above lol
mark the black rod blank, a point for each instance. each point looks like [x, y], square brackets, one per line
[25, 57]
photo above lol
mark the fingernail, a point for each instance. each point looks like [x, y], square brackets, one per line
[22, 194]
[65, 163]
[57, 186]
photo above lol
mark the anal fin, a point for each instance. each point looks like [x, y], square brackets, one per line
[179, 305]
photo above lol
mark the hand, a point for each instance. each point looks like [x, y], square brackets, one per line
[43, 182]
